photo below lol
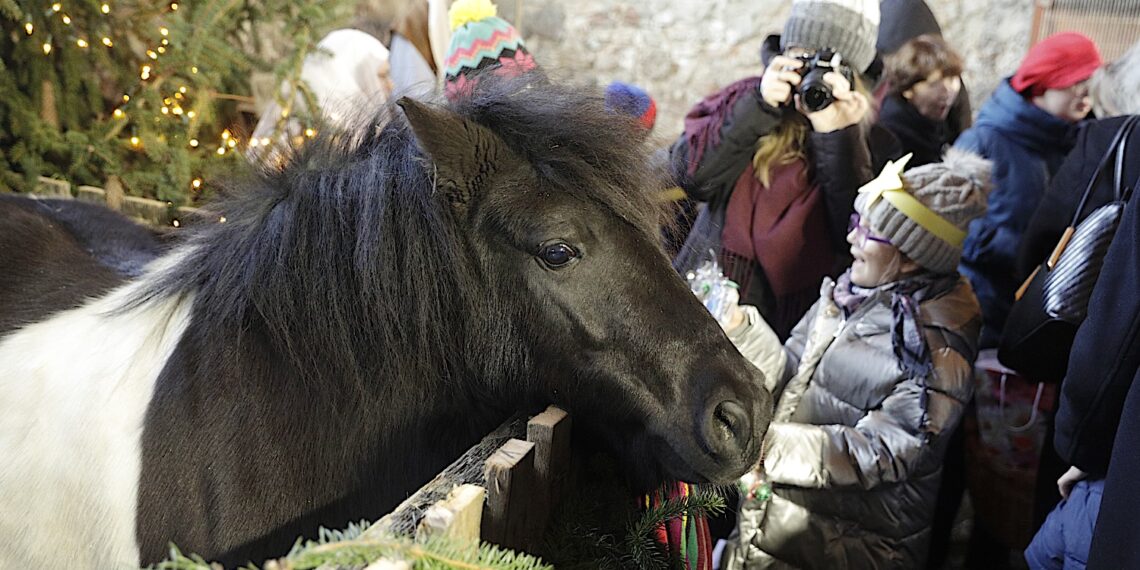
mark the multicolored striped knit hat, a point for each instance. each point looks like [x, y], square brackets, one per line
[480, 41]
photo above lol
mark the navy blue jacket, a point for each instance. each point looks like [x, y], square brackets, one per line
[1026, 145]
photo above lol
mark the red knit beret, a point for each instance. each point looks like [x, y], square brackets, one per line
[1059, 61]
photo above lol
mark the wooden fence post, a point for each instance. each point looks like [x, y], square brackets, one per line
[114, 189]
[510, 493]
[550, 434]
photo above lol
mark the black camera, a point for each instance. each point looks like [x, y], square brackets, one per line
[815, 93]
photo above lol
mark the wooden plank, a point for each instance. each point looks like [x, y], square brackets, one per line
[52, 188]
[510, 493]
[459, 516]
[92, 194]
[550, 434]
[406, 517]
[150, 211]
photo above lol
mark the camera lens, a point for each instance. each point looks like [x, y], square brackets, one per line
[814, 92]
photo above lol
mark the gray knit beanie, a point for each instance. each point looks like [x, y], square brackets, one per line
[850, 27]
[954, 189]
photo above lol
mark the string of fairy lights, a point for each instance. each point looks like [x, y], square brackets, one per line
[174, 104]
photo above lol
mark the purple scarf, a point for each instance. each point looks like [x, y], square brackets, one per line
[907, 340]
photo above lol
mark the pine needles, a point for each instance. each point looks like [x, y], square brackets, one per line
[349, 549]
[143, 91]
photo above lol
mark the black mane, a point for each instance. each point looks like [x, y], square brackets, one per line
[346, 248]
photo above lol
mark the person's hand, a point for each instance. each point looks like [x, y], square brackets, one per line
[1070, 478]
[731, 317]
[780, 80]
[848, 108]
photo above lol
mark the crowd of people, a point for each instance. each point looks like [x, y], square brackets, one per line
[877, 234]
[874, 372]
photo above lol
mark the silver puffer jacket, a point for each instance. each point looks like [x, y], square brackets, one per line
[855, 451]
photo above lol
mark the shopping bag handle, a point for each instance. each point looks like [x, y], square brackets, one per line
[1032, 415]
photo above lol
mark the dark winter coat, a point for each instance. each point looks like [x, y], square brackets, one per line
[854, 453]
[917, 134]
[1026, 145]
[1060, 201]
[1098, 422]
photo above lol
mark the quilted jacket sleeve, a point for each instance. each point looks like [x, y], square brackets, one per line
[906, 434]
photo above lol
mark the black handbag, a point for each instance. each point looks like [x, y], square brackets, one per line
[1053, 301]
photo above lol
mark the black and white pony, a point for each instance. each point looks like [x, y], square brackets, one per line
[363, 317]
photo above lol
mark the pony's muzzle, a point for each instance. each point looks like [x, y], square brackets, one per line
[727, 432]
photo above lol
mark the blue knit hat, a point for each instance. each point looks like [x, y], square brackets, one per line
[631, 100]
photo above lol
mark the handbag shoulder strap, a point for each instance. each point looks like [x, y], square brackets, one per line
[1117, 149]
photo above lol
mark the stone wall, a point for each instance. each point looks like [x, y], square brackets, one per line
[680, 50]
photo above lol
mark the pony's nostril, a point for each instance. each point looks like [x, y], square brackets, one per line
[727, 422]
[730, 426]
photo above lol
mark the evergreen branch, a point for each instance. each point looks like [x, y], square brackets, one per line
[704, 502]
[12, 10]
[348, 548]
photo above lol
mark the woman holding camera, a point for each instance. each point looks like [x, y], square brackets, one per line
[777, 159]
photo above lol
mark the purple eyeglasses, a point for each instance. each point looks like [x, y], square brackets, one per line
[862, 234]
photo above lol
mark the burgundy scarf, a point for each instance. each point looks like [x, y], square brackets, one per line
[781, 226]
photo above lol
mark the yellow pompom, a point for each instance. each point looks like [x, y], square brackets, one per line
[467, 11]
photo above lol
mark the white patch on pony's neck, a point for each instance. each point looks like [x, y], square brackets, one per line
[74, 391]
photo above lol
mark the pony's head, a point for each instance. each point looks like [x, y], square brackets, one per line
[571, 298]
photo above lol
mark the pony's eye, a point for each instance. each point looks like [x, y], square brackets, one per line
[557, 255]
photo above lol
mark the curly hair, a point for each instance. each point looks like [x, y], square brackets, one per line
[918, 59]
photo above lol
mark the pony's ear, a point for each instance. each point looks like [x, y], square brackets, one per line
[465, 153]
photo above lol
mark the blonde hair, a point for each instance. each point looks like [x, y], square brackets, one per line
[786, 143]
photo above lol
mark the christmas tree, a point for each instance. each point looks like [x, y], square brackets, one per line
[144, 92]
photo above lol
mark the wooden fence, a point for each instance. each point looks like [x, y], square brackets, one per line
[154, 212]
[502, 491]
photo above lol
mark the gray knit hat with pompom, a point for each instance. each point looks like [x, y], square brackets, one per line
[954, 189]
